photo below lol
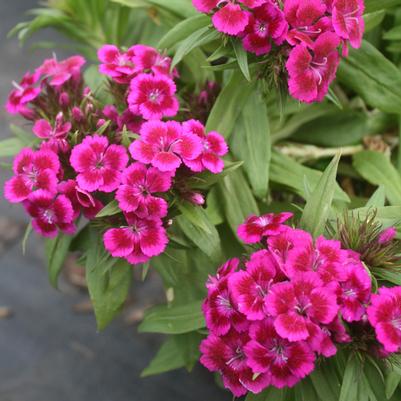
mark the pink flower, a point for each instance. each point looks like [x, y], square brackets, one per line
[348, 21]
[50, 213]
[230, 19]
[214, 147]
[98, 164]
[223, 272]
[326, 258]
[60, 72]
[148, 59]
[138, 184]
[116, 64]
[266, 23]
[286, 363]
[80, 199]
[384, 315]
[257, 227]
[306, 19]
[355, 291]
[165, 146]
[205, 6]
[387, 235]
[24, 93]
[250, 288]
[56, 135]
[33, 171]
[311, 72]
[137, 242]
[153, 96]
[226, 355]
[297, 303]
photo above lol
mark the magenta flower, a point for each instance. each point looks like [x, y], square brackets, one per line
[24, 93]
[312, 71]
[81, 200]
[348, 21]
[250, 287]
[60, 72]
[354, 293]
[384, 315]
[387, 235]
[98, 164]
[223, 272]
[33, 171]
[307, 20]
[165, 146]
[147, 59]
[297, 303]
[286, 363]
[257, 227]
[116, 64]
[230, 19]
[137, 242]
[226, 355]
[266, 23]
[214, 147]
[50, 213]
[138, 184]
[55, 135]
[153, 96]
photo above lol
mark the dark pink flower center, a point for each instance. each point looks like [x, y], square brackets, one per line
[237, 359]
[30, 174]
[396, 322]
[303, 305]
[319, 68]
[279, 352]
[48, 216]
[154, 95]
[225, 302]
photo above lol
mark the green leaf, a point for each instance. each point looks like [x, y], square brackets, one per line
[392, 381]
[197, 39]
[196, 226]
[377, 169]
[110, 209]
[10, 147]
[169, 357]
[229, 105]
[56, 250]
[325, 381]
[317, 208]
[108, 279]
[372, 76]
[98, 84]
[378, 199]
[372, 20]
[270, 394]
[182, 30]
[26, 237]
[374, 5]
[173, 319]
[251, 142]
[285, 171]
[350, 382]
[242, 58]
[388, 216]
[188, 345]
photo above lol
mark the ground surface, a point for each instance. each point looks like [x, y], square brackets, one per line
[48, 352]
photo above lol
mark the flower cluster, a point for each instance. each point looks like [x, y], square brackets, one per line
[87, 155]
[310, 32]
[270, 316]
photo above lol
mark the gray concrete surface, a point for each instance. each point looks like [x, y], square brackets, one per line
[48, 352]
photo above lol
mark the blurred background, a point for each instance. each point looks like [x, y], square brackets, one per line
[49, 347]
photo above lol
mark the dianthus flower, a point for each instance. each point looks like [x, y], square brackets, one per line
[55, 135]
[284, 362]
[387, 235]
[147, 59]
[138, 184]
[226, 354]
[214, 147]
[384, 315]
[266, 23]
[311, 71]
[59, 72]
[137, 241]
[33, 171]
[98, 164]
[153, 96]
[24, 93]
[165, 146]
[50, 213]
[255, 228]
[116, 64]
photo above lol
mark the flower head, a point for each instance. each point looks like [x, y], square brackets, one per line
[138, 241]
[138, 184]
[98, 164]
[153, 96]
[165, 146]
[148, 59]
[50, 213]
